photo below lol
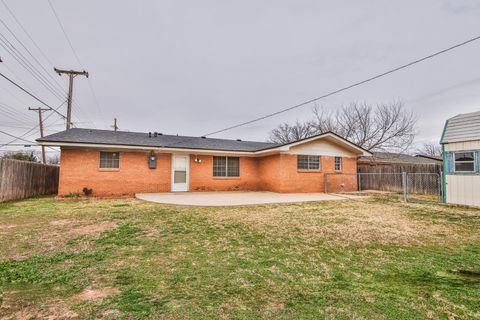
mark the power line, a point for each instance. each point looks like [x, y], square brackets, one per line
[17, 138]
[35, 127]
[23, 61]
[65, 33]
[76, 56]
[26, 32]
[38, 48]
[14, 114]
[356, 84]
[33, 57]
[31, 94]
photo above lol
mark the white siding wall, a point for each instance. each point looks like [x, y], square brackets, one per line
[460, 146]
[321, 148]
[463, 189]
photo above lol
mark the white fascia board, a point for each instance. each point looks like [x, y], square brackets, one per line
[293, 144]
[144, 148]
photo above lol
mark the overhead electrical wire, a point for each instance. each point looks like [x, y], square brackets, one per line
[35, 127]
[27, 33]
[345, 88]
[27, 65]
[17, 138]
[350, 86]
[55, 81]
[32, 95]
[95, 99]
[52, 84]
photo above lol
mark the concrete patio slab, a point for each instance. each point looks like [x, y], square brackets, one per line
[238, 198]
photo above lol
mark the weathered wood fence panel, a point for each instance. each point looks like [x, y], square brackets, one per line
[23, 179]
[421, 178]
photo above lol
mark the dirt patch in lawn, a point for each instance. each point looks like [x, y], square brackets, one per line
[62, 222]
[46, 312]
[97, 293]
[4, 228]
[93, 228]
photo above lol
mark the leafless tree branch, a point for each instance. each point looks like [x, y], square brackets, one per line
[387, 126]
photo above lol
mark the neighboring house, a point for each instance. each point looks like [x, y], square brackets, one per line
[437, 160]
[396, 160]
[461, 159]
[119, 163]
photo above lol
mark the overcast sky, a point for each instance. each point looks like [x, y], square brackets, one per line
[192, 67]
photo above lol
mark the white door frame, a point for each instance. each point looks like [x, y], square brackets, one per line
[181, 187]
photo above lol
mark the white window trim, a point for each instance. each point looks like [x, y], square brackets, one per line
[474, 162]
[310, 155]
[100, 161]
[226, 167]
[335, 164]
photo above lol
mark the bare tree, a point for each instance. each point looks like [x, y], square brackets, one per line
[285, 132]
[54, 159]
[383, 127]
[430, 149]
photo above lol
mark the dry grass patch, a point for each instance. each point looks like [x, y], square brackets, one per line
[360, 222]
[92, 228]
[97, 293]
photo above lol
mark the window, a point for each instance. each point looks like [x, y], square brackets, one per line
[226, 166]
[308, 162]
[464, 162]
[338, 163]
[109, 160]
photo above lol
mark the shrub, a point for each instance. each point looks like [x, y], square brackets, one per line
[72, 195]
[87, 191]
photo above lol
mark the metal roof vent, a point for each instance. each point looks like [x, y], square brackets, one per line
[203, 137]
[239, 139]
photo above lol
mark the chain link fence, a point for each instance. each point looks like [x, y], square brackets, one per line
[413, 187]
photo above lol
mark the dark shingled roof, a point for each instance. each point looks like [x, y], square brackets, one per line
[389, 157]
[108, 137]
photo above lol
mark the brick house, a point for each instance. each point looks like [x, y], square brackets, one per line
[125, 163]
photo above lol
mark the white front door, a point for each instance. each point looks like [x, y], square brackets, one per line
[180, 172]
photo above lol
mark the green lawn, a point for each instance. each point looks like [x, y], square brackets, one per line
[372, 259]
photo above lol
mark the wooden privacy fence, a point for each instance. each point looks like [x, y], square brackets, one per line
[23, 179]
[422, 179]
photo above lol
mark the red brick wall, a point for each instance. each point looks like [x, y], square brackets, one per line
[201, 176]
[278, 173]
[79, 169]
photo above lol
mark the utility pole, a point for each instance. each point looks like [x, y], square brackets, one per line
[40, 121]
[115, 127]
[71, 74]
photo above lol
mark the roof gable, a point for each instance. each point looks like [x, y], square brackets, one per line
[462, 127]
[330, 137]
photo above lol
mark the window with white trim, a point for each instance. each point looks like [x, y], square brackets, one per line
[226, 166]
[306, 162]
[109, 160]
[464, 161]
[338, 163]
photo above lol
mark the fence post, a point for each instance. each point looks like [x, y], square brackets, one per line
[359, 181]
[440, 188]
[404, 186]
